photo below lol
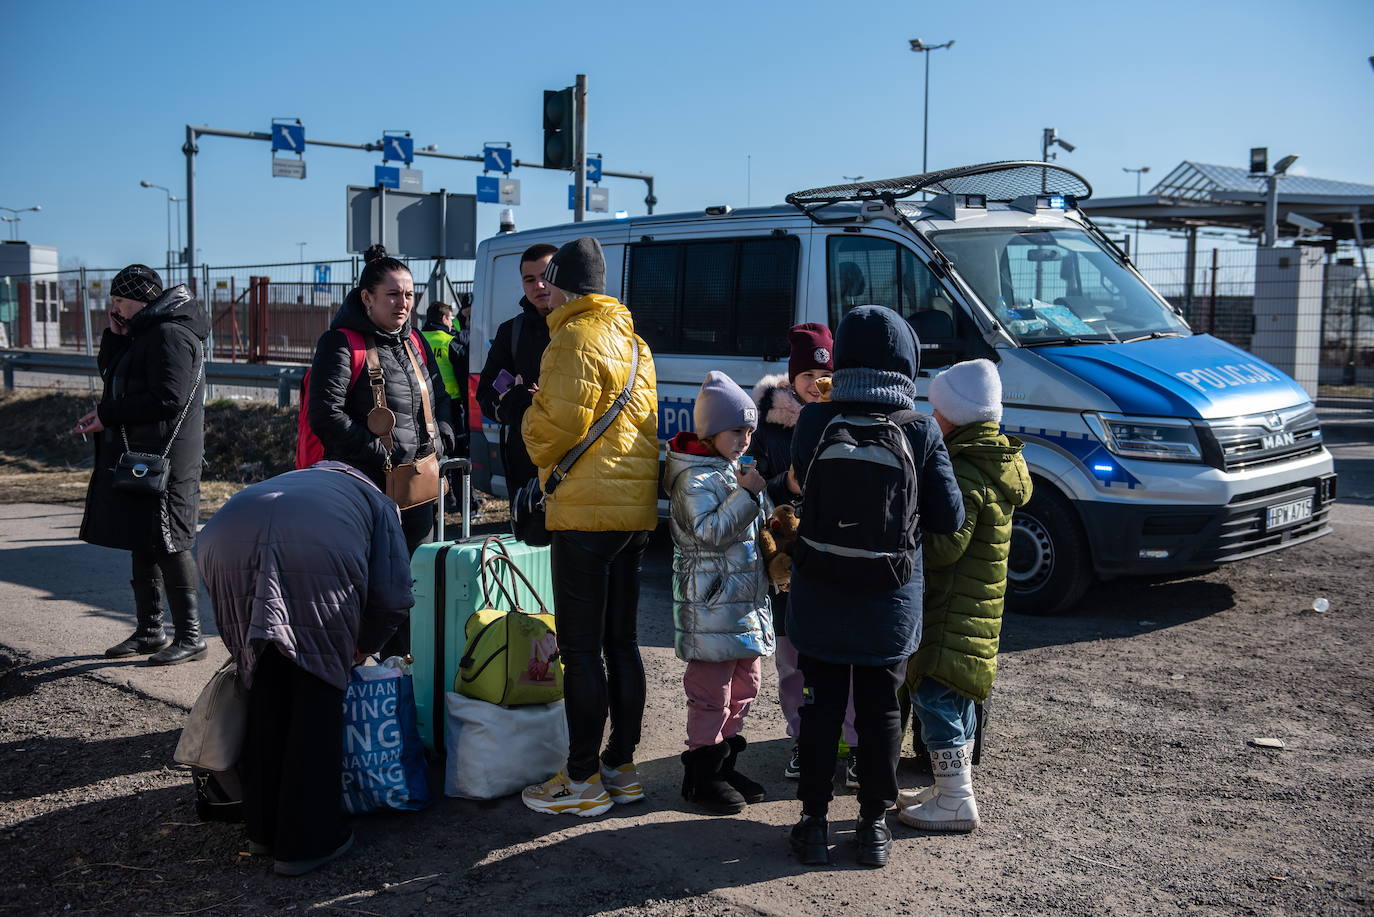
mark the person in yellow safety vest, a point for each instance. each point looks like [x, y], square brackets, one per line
[452, 360]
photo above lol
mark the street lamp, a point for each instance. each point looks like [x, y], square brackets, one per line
[14, 220]
[170, 201]
[920, 47]
[1135, 246]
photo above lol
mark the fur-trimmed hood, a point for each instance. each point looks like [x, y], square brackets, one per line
[778, 403]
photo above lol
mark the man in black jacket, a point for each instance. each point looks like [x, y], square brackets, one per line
[517, 350]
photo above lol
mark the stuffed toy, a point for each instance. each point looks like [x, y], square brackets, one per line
[777, 540]
[824, 384]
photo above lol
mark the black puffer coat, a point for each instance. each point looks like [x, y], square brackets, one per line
[150, 374]
[518, 348]
[338, 411]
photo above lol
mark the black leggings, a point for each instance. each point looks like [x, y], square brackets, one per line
[292, 760]
[877, 720]
[596, 611]
[171, 571]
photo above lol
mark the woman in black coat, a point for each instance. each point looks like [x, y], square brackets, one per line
[152, 360]
[380, 308]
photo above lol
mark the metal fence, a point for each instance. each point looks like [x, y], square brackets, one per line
[1226, 283]
[259, 313]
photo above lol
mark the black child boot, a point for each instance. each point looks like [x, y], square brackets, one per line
[187, 645]
[704, 784]
[752, 791]
[148, 635]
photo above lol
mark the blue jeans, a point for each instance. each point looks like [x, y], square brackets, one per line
[948, 719]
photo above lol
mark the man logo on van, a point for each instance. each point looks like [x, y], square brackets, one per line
[1276, 440]
[1228, 376]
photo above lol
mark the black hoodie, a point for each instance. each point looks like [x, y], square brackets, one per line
[150, 377]
[338, 410]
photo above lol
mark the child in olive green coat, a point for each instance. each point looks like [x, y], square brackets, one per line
[966, 580]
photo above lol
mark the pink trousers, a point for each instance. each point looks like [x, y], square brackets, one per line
[718, 696]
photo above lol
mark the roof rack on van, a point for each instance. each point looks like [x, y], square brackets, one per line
[996, 181]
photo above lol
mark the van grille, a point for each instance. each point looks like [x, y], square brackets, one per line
[1243, 533]
[1256, 440]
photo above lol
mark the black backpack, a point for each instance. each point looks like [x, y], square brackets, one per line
[860, 514]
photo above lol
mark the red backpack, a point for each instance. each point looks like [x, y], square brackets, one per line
[309, 449]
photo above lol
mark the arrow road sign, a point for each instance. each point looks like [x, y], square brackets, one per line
[398, 148]
[289, 137]
[497, 158]
[593, 168]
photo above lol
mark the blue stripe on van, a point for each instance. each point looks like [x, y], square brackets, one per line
[1102, 466]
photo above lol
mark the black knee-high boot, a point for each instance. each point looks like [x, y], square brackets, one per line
[186, 644]
[148, 635]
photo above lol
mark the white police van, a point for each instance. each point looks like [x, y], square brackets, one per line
[1154, 450]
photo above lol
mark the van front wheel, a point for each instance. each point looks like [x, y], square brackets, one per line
[1049, 568]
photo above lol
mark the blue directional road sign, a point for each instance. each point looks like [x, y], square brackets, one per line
[497, 158]
[598, 199]
[593, 168]
[387, 176]
[289, 137]
[321, 278]
[399, 148]
[488, 188]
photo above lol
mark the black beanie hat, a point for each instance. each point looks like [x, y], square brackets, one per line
[578, 267]
[138, 282]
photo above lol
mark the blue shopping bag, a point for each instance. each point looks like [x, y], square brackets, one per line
[384, 760]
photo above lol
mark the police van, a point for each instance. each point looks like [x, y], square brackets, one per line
[1154, 450]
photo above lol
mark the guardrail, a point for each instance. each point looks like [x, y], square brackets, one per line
[285, 379]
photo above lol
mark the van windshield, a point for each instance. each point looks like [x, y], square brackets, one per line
[1057, 286]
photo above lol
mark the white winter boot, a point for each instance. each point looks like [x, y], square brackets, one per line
[952, 807]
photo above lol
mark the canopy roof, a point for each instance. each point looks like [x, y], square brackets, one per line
[1202, 194]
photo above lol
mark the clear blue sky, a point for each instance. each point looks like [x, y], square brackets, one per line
[98, 93]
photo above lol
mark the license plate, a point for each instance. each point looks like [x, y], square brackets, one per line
[1285, 514]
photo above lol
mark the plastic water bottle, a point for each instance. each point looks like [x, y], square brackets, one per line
[1320, 605]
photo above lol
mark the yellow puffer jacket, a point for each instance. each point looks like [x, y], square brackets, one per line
[614, 486]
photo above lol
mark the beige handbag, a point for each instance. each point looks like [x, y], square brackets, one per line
[412, 483]
[213, 735]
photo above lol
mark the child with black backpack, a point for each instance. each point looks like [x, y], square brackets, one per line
[721, 615]
[874, 474]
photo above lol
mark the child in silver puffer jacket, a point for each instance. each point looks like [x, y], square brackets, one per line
[723, 625]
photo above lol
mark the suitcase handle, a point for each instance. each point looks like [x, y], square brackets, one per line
[464, 466]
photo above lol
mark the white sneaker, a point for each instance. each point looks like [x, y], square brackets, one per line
[622, 783]
[558, 794]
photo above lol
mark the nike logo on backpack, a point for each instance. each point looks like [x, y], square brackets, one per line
[846, 525]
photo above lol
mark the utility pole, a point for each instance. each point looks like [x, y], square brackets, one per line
[580, 150]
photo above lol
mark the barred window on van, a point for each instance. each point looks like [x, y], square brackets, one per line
[719, 296]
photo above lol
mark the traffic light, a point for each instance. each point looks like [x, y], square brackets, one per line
[560, 123]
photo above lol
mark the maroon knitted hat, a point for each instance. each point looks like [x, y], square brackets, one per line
[812, 348]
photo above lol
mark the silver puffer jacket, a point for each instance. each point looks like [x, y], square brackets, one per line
[720, 591]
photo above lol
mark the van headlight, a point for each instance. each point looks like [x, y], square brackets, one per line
[1156, 438]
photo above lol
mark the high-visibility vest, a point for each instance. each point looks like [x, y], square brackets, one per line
[439, 342]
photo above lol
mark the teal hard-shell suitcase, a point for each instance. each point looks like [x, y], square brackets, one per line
[447, 591]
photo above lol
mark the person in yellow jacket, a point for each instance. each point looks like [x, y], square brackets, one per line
[599, 518]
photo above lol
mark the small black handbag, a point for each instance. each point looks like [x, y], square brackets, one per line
[147, 473]
[528, 511]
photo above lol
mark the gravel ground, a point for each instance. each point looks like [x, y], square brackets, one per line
[1120, 776]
